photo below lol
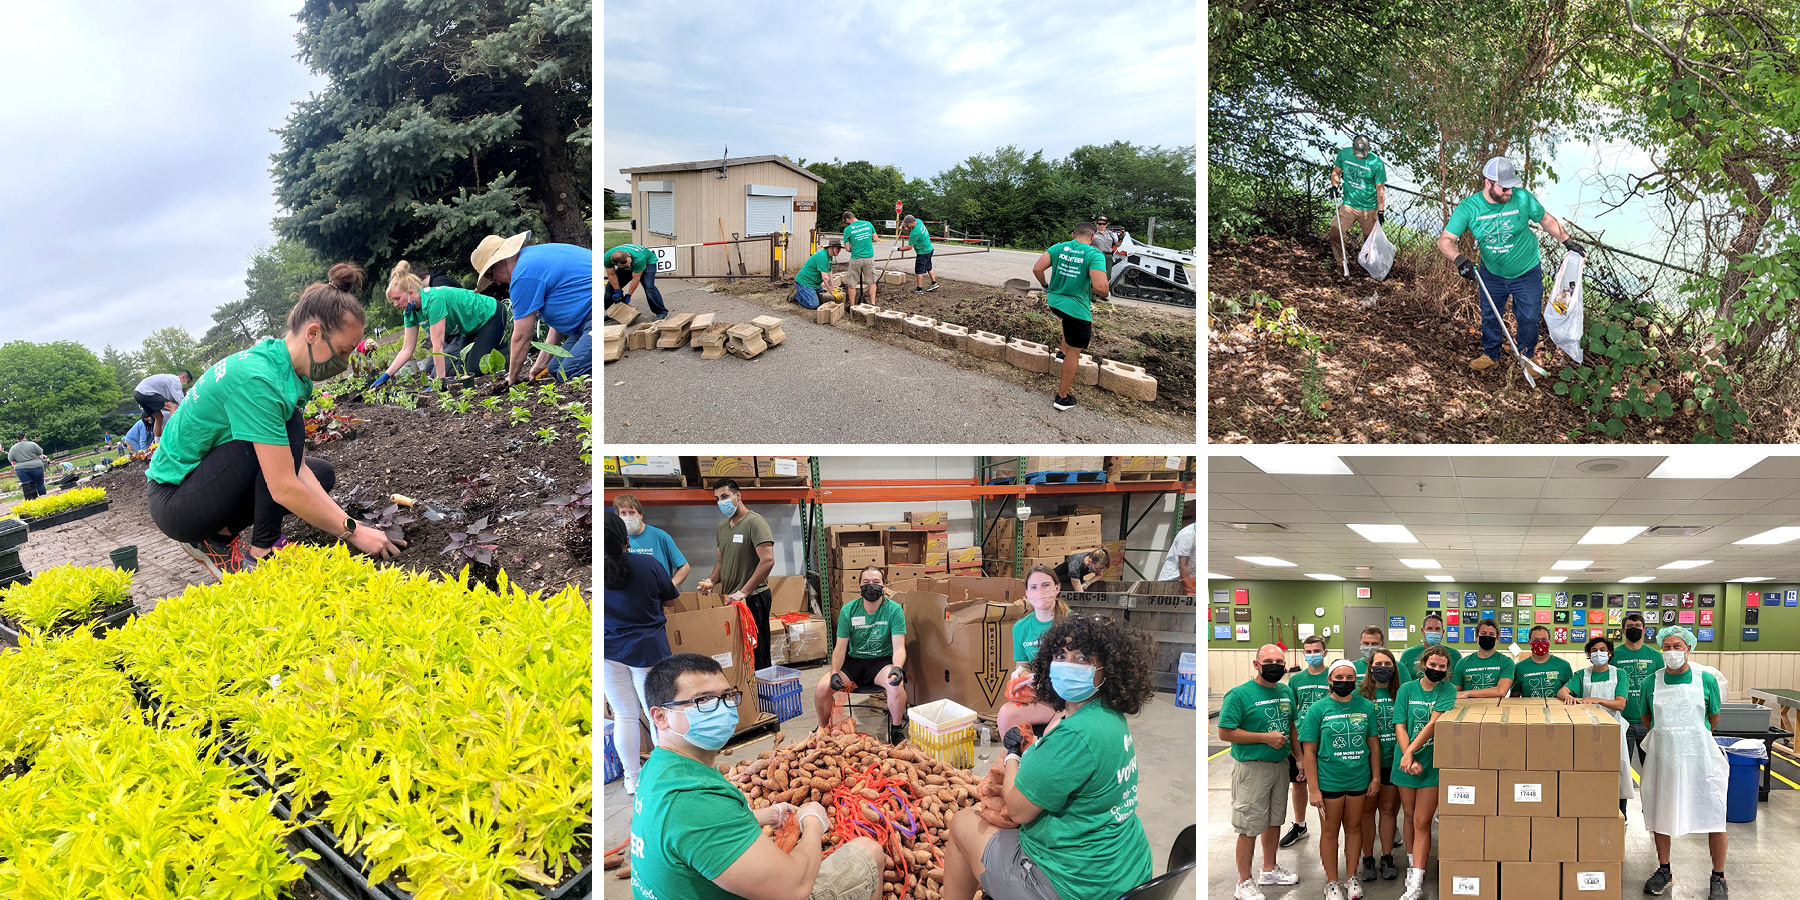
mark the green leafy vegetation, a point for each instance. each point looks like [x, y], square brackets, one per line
[65, 595]
[55, 503]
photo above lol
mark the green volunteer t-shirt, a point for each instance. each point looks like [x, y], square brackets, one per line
[920, 238]
[247, 396]
[1709, 687]
[1384, 726]
[1410, 667]
[1476, 674]
[1360, 178]
[737, 550]
[688, 825]
[462, 311]
[1071, 289]
[860, 236]
[1613, 681]
[871, 634]
[1026, 632]
[1533, 679]
[642, 259]
[1258, 709]
[1413, 708]
[1502, 231]
[1309, 689]
[1084, 776]
[1342, 730]
[1637, 665]
[812, 273]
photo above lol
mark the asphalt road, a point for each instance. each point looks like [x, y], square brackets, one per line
[828, 384]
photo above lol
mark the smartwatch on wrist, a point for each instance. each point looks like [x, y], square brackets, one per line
[349, 527]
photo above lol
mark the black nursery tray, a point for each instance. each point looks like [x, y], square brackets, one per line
[67, 516]
[101, 625]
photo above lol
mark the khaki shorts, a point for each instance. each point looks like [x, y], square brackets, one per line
[862, 272]
[1259, 793]
[849, 874]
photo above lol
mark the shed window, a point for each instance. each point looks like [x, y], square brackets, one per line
[660, 213]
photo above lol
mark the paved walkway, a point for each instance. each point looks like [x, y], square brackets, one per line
[993, 268]
[164, 570]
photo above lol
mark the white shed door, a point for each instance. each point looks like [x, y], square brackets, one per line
[662, 212]
[766, 206]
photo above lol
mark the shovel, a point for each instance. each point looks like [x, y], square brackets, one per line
[423, 507]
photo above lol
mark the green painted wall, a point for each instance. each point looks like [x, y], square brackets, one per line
[1779, 628]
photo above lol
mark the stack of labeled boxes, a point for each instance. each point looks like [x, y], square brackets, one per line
[1528, 801]
[1048, 541]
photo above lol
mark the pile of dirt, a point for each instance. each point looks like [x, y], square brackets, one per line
[1393, 370]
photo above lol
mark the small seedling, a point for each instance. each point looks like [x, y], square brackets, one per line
[547, 394]
[518, 394]
[492, 402]
[388, 519]
[473, 485]
[547, 435]
[580, 503]
[517, 415]
[474, 544]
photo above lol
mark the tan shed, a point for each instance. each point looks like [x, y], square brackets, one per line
[681, 204]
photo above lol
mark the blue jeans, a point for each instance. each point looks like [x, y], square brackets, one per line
[580, 360]
[805, 296]
[1527, 295]
[654, 296]
[31, 481]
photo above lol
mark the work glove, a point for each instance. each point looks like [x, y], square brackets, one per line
[1381, 217]
[1335, 192]
[379, 380]
[839, 682]
[896, 676]
[1465, 268]
[444, 383]
[1013, 741]
[1575, 248]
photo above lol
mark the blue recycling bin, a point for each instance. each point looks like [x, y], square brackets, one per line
[1746, 758]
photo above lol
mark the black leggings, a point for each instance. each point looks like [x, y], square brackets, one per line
[485, 340]
[227, 493]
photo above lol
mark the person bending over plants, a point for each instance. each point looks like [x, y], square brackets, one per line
[231, 456]
[464, 326]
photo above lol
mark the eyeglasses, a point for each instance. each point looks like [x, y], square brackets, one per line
[708, 704]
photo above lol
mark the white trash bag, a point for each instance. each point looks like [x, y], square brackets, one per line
[1377, 254]
[1563, 312]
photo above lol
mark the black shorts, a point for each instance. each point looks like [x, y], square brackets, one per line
[922, 263]
[1293, 771]
[1339, 795]
[1387, 776]
[152, 404]
[863, 671]
[1077, 333]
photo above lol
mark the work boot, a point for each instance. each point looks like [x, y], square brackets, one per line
[1717, 889]
[1368, 869]
[896, 734]
[1295, 835]
[1389, 871]
[1659, 881]
[1482, 363]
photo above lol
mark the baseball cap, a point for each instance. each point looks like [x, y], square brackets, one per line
[1360, 145]
[1500, 171]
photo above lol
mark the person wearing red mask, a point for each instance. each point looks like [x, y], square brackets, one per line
[1542, 675]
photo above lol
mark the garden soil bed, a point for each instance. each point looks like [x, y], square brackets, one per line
[1160, 340]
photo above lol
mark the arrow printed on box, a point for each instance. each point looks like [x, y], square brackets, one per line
[988, 676]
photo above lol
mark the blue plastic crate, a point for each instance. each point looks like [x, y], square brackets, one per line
[779, 700]
[1187, 689]
[613, 769]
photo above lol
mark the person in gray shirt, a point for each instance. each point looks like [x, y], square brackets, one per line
[1104, 240]
[27, 460]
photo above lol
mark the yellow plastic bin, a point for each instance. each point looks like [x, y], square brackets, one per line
[944, 729]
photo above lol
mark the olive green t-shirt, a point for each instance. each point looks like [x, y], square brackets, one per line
[1026, 632]
[1084, 776]
[1308, 689]
[1413, 708]
[1637, 665]
[688, 825]
[1411, 668]
[1259, 709]
[737, 550]
[1342, 730]
[1709, 689]
[860, 236]
[1476, 674]
[1533, 679]
[1502, 231]
[1071, 289]
[1615, 682]
[871, 635]
[462, 311]
[1360, 177]
[247, 396]
[920, 238]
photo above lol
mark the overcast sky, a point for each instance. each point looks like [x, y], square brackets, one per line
[921, 84]
[135, 143]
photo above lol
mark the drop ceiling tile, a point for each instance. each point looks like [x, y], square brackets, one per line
[1347, 502]
[1493, 505]
[1504, 521]
[1268, 503]
[1230, 464]
[1722, 507]
[1400, 465]
[1499, 487]
[1408, 486]
[1585, 521]
[1596, 488]
[1251, 483]
[1671, 488]
[1764, 489]
[1326, 484]
[1535, 467]
[1785, 465]
[1425, 504]
[1633, 467]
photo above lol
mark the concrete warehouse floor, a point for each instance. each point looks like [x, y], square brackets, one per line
[828, 384]
[1163, 736]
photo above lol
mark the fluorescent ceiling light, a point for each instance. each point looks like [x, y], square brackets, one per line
[1214, 576]
[1385, 534]
[1324, 577]
[1266, 561]
[1773, 536]
[1440, 578]
[1611, 534]
[1575, 564]
[1637, 579]
[1713, 462]
[1421, 563]
[1552, 579]
[1298, 461]
[1754, 578]
[1686, 564]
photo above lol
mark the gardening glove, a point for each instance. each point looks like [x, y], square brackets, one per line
[379, 380]
[1381, 217]
[1575, 248]
[1013, 741]
[444, 383]
[1335, 192]
[1465, 268]
[840, 683]
[896, 676]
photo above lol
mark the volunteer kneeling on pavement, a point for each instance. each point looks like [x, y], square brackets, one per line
[464, 326]
[870, 650]
[1074, 792]
[809, 282]
[693, 834]
[1685, 772]
[231, 457]
[1361, 177]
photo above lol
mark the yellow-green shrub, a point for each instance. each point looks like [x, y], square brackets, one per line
[55, 503]
[58, 685]
[65, 594]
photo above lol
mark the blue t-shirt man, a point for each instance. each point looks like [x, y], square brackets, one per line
[556, 281]
[656, 544]
[138, 438]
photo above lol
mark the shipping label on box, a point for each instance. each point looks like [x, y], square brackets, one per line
[1595, 880]
[1471, 880]
[1467, 792]
[1526, 793]
[783, 466]
[1508, 839]
[649, 465]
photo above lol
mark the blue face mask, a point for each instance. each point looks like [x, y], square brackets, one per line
[412, 307]
[1315, 659]
[1432, 639]
[710, 730]
[726, 508]
[1073, 682]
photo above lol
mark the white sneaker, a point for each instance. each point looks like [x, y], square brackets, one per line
[1278, 875]
[1333, 891]
[1247, 890]
[631, 784]
[1415, 885]
[1352, 888]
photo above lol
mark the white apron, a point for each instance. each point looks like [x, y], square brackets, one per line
[1604, 691]
[1685, 772]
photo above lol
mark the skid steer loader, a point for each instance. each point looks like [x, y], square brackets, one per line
[1156, 274]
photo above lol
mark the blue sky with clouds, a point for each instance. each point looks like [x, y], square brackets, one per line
[137, 143]
[920, 85]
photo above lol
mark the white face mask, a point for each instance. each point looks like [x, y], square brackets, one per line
[633, 524]
[1674, 659]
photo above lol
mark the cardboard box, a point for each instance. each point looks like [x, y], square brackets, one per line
[852, 547]
[1457, 744]
[1462, 838]
[1529, 702]
[784, 467]
[909, 573]
[1467, 792]
[1600, 840]
[905, 548]
[1526, 793]
[1009, 467]
[1548, 739]
[937, 541]
[787, 594]
[715, 633]
[1144, 463]
[934, 517]
[806, 641]
[965, 555]
[1591, 795]
[1552, 840]
[649, 465]
[727, 467]
[1508, 839]
[1469, 880]
[1529, 881]
[1595, 740]
[1503, 738]
[1582, 880]
[959, 639]
[693, 601]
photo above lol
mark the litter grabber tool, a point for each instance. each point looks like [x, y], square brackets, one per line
[1337, 215]
[1525, 365]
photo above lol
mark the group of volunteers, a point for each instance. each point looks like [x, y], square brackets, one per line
[1354, 740]
[230, 464]
[1499, 217]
